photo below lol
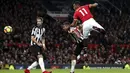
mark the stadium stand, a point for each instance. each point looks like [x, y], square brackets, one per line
[14, 47]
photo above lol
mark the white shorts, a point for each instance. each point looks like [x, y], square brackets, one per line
[88, 27]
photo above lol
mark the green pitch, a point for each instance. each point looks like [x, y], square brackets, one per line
[67, 71]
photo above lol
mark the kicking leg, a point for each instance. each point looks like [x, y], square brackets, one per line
[34, 57]
[34, 64]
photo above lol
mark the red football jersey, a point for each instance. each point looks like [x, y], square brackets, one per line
[83, 13]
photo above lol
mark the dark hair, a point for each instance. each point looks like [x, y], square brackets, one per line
[77, 2]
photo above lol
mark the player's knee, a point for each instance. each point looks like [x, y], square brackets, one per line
[73, 57]
[86, 35]
[40, 56]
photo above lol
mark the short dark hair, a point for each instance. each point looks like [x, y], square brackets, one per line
[77, 2]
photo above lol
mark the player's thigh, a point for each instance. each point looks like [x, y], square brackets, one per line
[96, 25]
[35, 50]
[87, 27]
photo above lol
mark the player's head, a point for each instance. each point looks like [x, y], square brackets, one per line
[76, 5]
[39, 21]
[65, 25]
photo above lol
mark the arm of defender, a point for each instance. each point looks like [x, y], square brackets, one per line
[93, 5]
[34, 40]
[43, 44]
[73, 24]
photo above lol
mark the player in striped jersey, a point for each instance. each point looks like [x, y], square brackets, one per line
[37, 46]
[77, 36]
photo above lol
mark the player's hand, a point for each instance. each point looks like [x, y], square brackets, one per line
[96, 4]
[40, 44]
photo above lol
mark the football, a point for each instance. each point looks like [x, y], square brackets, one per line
[8, 29]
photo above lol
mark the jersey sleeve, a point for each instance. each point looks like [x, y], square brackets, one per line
[87, 6]
[75, 15]
[33, 31]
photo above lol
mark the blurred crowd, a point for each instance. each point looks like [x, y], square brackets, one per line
[114, 48]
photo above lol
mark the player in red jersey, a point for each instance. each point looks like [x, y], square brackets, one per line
[88, 24]
[83, 13]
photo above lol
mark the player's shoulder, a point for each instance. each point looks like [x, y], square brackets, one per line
[87, 5]
[34, 27]
[81, 7]
[43, 28]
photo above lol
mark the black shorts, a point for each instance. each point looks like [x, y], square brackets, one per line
[36, 50]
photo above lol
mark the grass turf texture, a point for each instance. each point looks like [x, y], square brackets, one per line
[68, 71]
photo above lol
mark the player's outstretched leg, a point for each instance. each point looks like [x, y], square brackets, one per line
[34, 64]
[41, 63]
[75, 54]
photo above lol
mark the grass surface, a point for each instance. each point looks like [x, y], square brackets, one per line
[68, 71]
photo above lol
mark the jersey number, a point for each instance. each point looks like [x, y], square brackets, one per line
[83, 11]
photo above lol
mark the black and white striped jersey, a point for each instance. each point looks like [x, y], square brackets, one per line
[38, 33]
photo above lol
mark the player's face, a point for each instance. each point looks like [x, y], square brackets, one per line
[75, 6]
[39, 21]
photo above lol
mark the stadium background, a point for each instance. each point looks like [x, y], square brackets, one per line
[113, 15]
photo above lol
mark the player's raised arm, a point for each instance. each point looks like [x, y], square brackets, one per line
[93, 5]
[74, 22]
